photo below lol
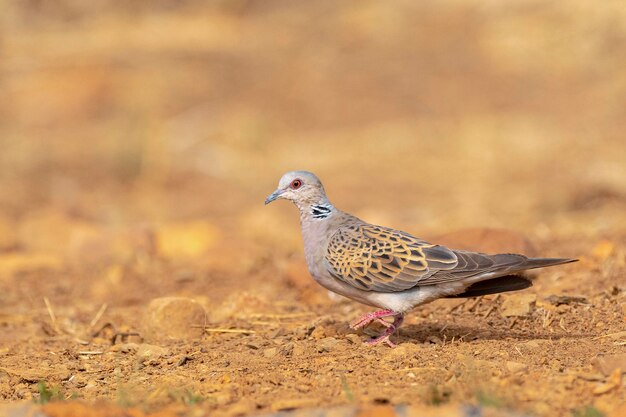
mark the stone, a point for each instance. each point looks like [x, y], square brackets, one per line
[518, 305]
[147, 351]
[174, 318]
[270, 353]
[353, 338]
[327, 344]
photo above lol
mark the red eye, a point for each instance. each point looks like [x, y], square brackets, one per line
[295, 184]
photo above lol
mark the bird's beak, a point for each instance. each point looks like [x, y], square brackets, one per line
[275, 195]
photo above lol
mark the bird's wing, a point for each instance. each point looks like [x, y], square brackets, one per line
[376, 258]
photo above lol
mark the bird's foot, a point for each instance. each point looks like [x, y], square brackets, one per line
[398, 318]
[366, 319]
[384, 338]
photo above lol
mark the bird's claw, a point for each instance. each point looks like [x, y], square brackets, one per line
[366, 319]
[381, 339]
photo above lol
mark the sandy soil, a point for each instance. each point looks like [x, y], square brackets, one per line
[139, 142]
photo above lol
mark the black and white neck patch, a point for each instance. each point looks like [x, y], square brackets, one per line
[321, 211]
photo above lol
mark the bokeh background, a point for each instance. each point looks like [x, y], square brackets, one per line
[453, 112]
[142, 130]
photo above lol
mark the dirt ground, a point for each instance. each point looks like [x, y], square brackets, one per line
[139, 142]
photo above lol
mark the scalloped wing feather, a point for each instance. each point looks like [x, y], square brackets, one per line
[376, 258]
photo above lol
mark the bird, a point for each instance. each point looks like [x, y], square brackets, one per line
[389, 269]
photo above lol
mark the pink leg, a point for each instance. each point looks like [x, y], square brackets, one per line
[391, 328]
[366, 319]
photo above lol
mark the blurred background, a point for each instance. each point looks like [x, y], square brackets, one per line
[161, 126]
[139, 139]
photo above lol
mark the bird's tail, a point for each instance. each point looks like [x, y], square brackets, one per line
[510, 282]
[532, 263]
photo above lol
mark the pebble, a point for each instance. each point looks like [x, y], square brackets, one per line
[354, 338]
[327, 344]
[146, 351]
[518, 305]
[174, 318]
[270, 353]
[318, 333]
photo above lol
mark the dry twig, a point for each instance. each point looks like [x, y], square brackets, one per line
[53, 317]
[98, 316]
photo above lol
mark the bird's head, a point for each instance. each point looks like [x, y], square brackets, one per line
[301, 187]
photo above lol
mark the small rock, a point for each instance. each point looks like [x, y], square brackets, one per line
[518, 305]
[516, 367]
[303, 332]
[174, 318]
[254, 343]
[298, 349]
[270, 353]
[318, 333]
[281, 331]
[354, 339]
[146, 351]
[327, 344]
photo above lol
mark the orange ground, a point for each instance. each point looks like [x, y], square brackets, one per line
[139, 141]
